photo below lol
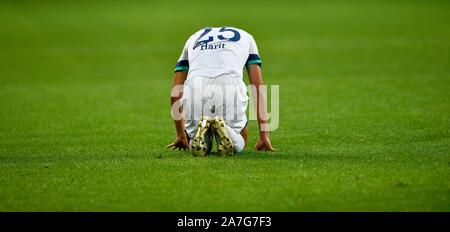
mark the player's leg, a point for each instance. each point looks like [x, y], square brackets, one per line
[233, 107]
[198, 127]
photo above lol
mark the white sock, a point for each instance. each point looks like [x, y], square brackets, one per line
[237, 139]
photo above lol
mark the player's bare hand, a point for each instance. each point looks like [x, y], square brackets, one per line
[264, 144]
[181, 142]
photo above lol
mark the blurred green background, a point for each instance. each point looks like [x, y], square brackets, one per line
[364, 107]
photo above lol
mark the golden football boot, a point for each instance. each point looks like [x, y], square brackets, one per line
[201, 143]
[225, 145]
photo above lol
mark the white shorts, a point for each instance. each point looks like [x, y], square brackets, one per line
[224, 96]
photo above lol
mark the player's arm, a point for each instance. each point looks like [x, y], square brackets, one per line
[181, 141]
[259, 99]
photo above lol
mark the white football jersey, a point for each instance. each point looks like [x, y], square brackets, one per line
[214, 51]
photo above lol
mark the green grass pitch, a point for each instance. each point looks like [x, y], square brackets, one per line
[364, 107]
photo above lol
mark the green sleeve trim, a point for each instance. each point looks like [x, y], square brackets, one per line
[258, 62]
[254, 62]
[181, 68]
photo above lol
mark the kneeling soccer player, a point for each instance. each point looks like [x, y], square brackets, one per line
[213, 99]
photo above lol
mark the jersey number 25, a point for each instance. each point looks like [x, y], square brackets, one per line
[236, 36]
